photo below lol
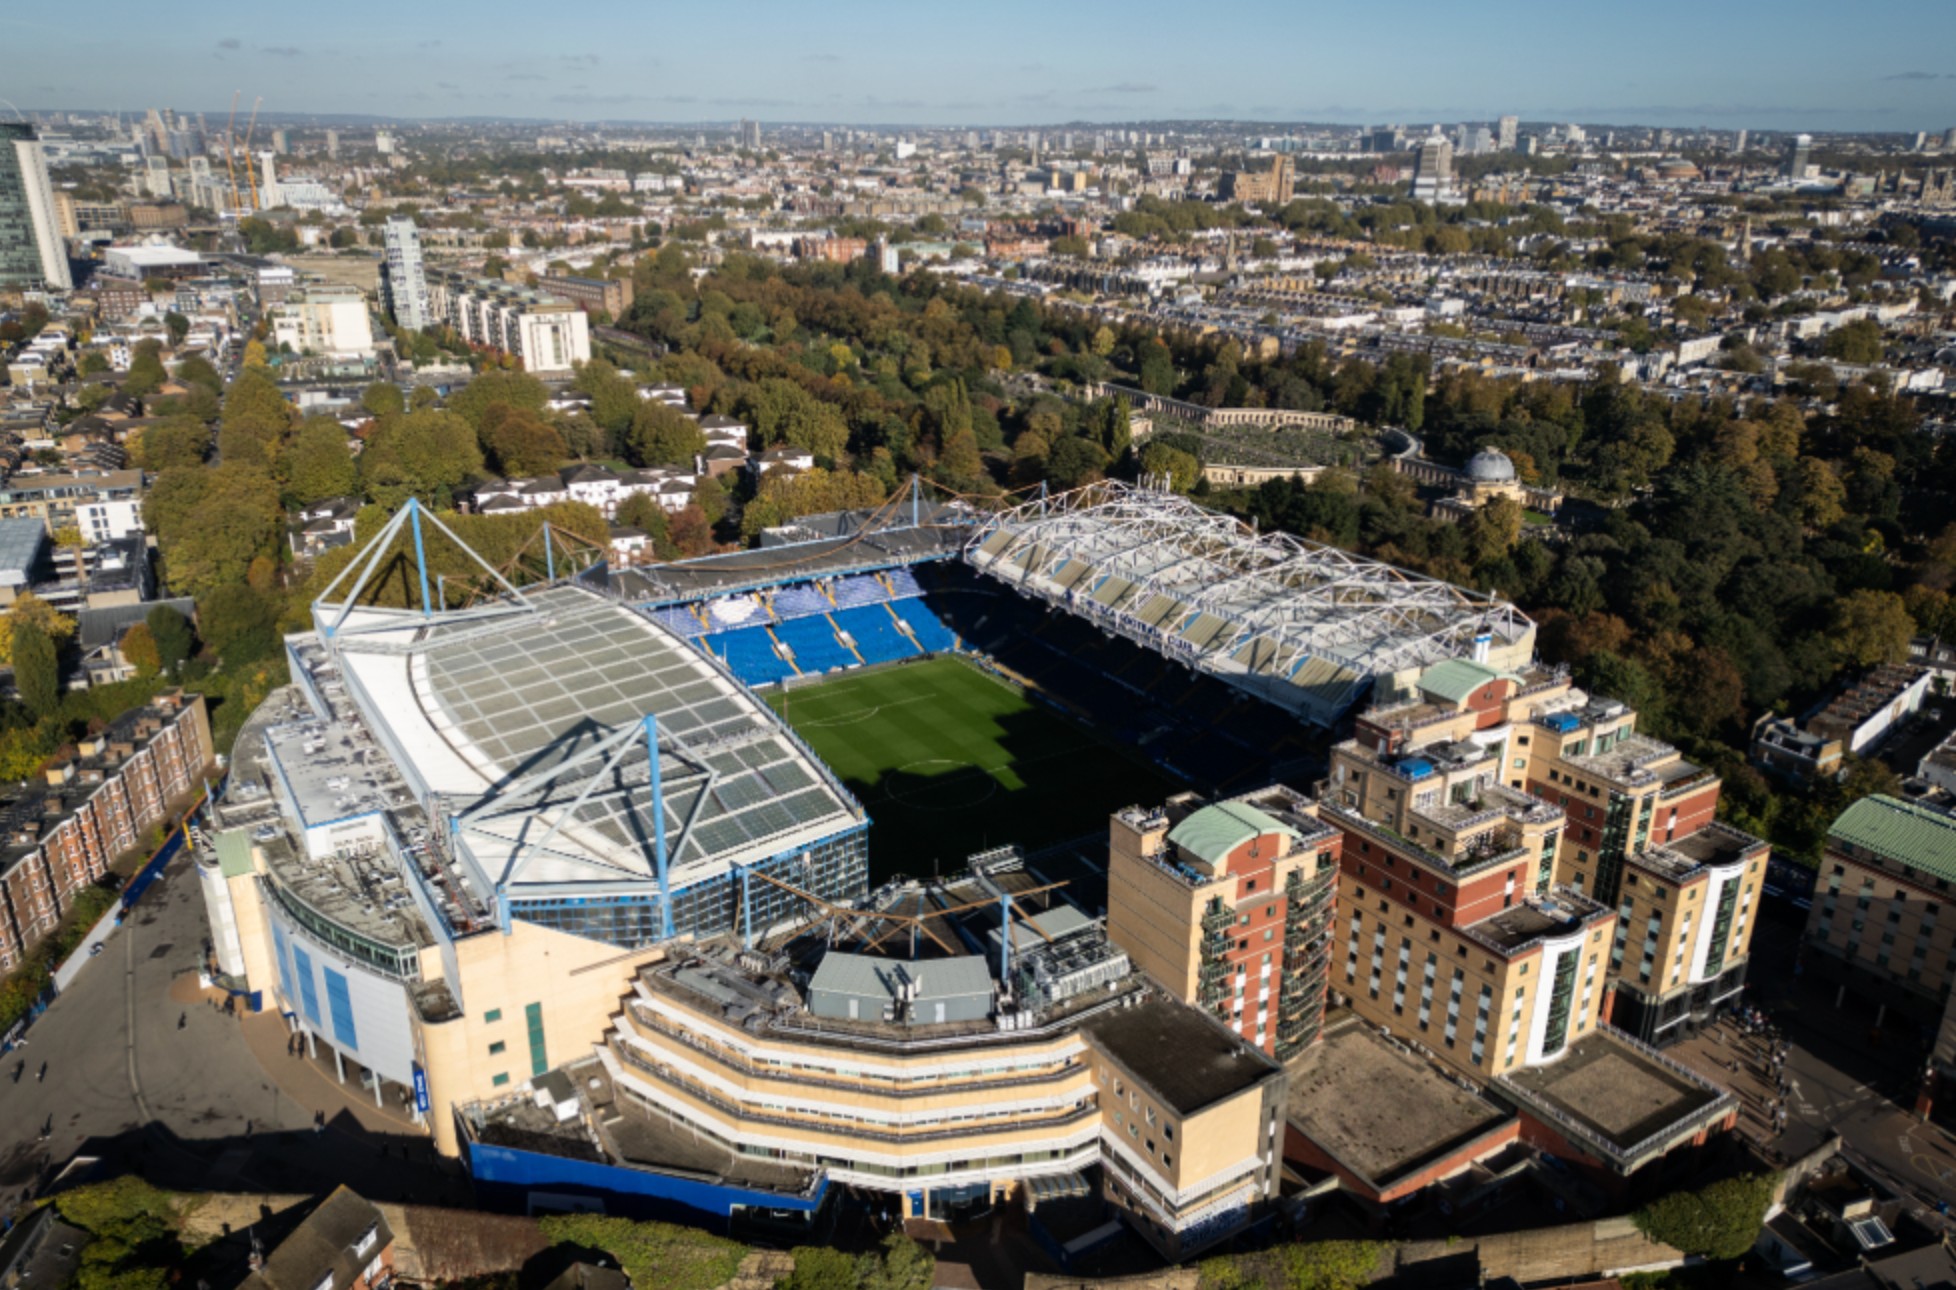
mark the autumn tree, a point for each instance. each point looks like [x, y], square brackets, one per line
[1871, 627]
[139, 651]
[318, 463]
[169, 443]
[212, 523]
[29, 609]
[426, 454]
[662, 435]
[519, 443]
[37, 670]
[171, 633]
[254, 421]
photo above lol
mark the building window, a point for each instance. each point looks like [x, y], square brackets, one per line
[492, 1016]
[500, 1080]
[497, 1047]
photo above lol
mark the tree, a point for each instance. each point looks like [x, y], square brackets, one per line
[661, 1255]
[614, 399]
[1180, 468]
[197, 370]
[1871, 627]
[1856, 342]
[518, 442]
[146, 371]
[422, 454]
[171, 633]
[132, 1234]
[516, 389]
[1308, 1265]
[820, 1268]
[170, 443]
[178, 326]
[318, 463]
[662, 435]
[139, 651]
[239, 622]
[254, 353]
[255, 420]
[37, 670]
[643, 512]
[383, 399]
[903, 1264]
[1074, 461]
[958, 462]
[1157, 368]
[1719, 1221]
[29, 608]
[212, 523]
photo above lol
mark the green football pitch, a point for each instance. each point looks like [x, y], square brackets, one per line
[949, 761]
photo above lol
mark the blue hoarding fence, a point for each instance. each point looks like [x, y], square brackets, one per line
[420, 1089]
[508, 1175]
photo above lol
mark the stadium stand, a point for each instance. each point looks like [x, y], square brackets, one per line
[851, 593]
[749, 653]
[683, 619]
[927, 627]
[799, 601]
[815, 646]
[876, 635]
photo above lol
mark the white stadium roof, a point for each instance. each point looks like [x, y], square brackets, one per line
[1303, 625]
[526, 720]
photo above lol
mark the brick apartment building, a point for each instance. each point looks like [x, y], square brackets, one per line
[63, 830]
[1229, 906]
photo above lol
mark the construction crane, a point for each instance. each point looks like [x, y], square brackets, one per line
[230, 154]
[251, 178]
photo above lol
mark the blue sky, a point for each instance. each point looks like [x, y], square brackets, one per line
[1764, 64]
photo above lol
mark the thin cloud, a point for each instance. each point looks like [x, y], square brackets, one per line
[579, 60]
[821, 58]
[282, 51]
[1124, 87]
[1914, 76]
[230, 42]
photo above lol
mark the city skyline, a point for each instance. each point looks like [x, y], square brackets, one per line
[869, 63]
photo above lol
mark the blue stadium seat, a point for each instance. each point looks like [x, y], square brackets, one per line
[799, 602]
[749, 654]
[680, 619]
[905, 582]
[875, 633]
[851, 592]
[815, 645]
[931, 633]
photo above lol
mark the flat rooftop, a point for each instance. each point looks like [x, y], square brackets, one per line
[1562, 911]
[1617, 1093]
[1191, 1062]
[1378, 1110]
[334, 771]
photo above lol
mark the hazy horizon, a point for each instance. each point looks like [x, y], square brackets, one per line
[1794, 65]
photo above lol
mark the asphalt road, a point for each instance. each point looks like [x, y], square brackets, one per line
[172, 1090]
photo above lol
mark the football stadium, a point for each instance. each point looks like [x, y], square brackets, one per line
[902, 856]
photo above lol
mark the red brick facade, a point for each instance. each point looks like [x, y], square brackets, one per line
[63, 833]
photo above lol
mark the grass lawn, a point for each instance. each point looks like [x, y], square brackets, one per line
[949, 761]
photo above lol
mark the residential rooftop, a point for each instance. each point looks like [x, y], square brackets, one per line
[1625, 1099]
[1187, 1059]
[1378, 1110]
